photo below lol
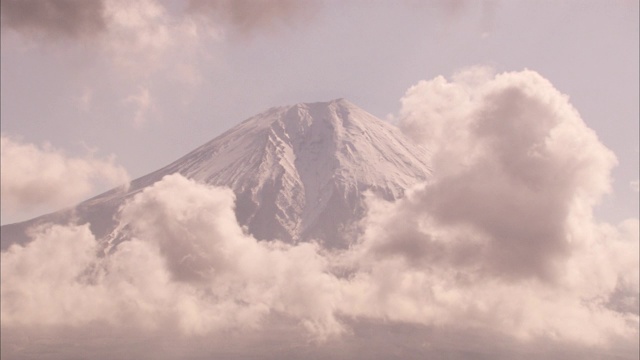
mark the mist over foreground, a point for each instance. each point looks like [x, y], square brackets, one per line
[318, 231]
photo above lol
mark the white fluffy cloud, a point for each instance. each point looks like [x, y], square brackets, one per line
[195, 230]
[507, 219]
[501, 245]
[187, 263]
[514, 165]
[42, 178]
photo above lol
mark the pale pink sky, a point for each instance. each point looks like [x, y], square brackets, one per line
[151, 82]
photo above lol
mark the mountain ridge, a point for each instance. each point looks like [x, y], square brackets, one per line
[299, 173]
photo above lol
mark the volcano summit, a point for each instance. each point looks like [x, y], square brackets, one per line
[299, 173]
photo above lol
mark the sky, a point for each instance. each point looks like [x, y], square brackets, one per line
[139, 85]
[530, 112]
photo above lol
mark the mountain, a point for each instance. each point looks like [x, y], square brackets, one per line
[299, 173]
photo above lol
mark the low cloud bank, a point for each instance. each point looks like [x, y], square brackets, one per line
[187, 264]
[501, 241]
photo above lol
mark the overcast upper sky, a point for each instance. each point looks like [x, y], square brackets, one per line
[148, 81]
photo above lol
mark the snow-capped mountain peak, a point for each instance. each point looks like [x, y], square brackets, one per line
[299, 172]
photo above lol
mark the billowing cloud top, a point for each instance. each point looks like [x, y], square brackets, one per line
[514, 163]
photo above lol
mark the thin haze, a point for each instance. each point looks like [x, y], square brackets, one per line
[529, 110]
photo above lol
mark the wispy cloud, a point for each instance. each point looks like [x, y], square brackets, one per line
[250, 17]
[42, 178]
[142, 104]
[53, 19]
[136, 42]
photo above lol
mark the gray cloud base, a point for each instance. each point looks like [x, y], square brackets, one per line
[54, 18]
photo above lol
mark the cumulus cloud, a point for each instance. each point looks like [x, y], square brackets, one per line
[187, 263]
[501, 245]
[42, 178]
[507, 218]
[514, 162]
[445, 294]
[195, 230]
[54, 18]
